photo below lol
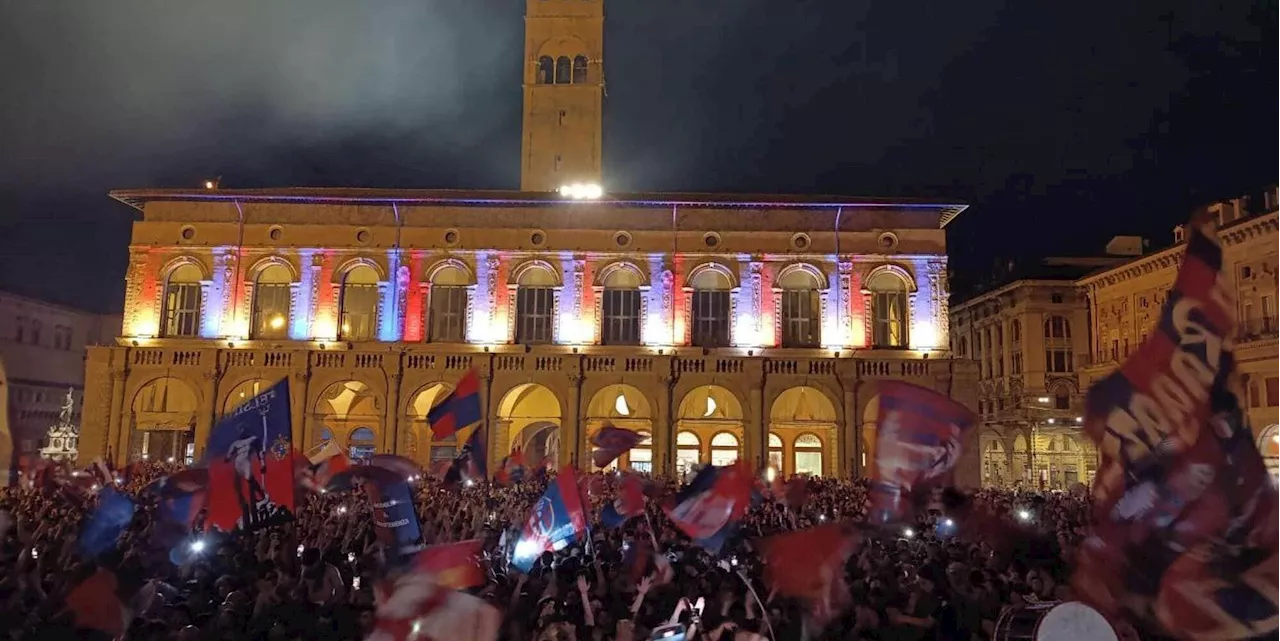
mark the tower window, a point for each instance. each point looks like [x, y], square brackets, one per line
[579, 70]
[563, 70]
[546, 70]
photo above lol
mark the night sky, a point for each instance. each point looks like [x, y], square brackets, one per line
[1061, 123]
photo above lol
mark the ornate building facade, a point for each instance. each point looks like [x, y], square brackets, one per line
[1126, 302]
[1029, 339]
[719, 327]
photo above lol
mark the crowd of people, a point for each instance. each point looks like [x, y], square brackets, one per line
[314, 578]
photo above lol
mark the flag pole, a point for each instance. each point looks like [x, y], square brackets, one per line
[764, 612]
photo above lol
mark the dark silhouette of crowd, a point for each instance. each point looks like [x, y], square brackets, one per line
[935, 577]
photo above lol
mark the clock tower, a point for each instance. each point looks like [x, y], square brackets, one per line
[563, 94]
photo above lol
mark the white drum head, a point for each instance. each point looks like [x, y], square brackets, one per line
[1073, 621]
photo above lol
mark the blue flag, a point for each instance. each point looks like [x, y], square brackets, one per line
[394, 519]
[106, 524]
[556, 520]
[708, 508]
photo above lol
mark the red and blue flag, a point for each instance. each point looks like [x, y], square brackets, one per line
[918, 442]
[1184, 538]
[459, 409]
[250, 462]
[556, 520]
[512, 468]
[629, 503]
[612, 442]
[709, 508]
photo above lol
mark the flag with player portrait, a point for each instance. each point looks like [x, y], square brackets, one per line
[918, 442]
[250, 461]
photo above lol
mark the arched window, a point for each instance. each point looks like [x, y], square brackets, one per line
[641, 456]
[325, 436]
[620, 307]
[888, 309]
[688, 452]
[181, 311]
[546, 70]
[1057, 346]
[564, 70]
[579, 70]
[801, 326]
[449, 292]
[359, 304]
[724, 449]
[1015, 331]
[271, 296]
[711, 289]
[535, 305]
[964, 347]
[360, 445]
[1062, 398]
[808, 455]
[775, 452]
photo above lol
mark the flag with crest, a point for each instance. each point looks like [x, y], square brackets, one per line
[1185, 535]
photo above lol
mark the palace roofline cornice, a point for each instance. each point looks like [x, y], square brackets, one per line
[138, 198]
[994, 294]
[1233, 234]
[1163, 259]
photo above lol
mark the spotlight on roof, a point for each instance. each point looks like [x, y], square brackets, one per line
[213, 183]
[582, 191]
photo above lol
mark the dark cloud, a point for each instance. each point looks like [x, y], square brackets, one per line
[1114, 117]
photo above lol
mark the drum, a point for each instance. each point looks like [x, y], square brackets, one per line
[1070, 621]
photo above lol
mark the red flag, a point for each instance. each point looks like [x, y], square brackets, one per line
[802, 563]
[95, 604]
[459, 409]
[456, 565]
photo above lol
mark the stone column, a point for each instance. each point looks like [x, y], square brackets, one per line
[572, 439]
[663, 430]
[117, 429]
[299, 388]
[208, 409]
[850, 440]
[391, 424]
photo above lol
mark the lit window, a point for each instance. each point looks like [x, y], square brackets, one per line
[889, 309]
[620, 307]
[535, 305]
[181, 311]
[800, 309]
[359, 304]
[271, 297]
[449, 292]
[711, 305]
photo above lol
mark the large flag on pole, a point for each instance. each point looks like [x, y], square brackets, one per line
[250, 462]
[556, 520]
[1184, 540]
[459, 409]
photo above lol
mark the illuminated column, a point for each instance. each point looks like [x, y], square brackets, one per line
[389, 297]
[415, 295]
[302, 309]
[571, 327]
[324, 315]
[142, 300]
[657, 323]
[742, 328]
[924, 330]
[857, 306]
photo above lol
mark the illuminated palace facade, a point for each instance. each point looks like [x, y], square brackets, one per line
[718, 327]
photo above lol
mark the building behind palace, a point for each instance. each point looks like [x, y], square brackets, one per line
[1041, 342]
[42, 346]
[719, 326]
